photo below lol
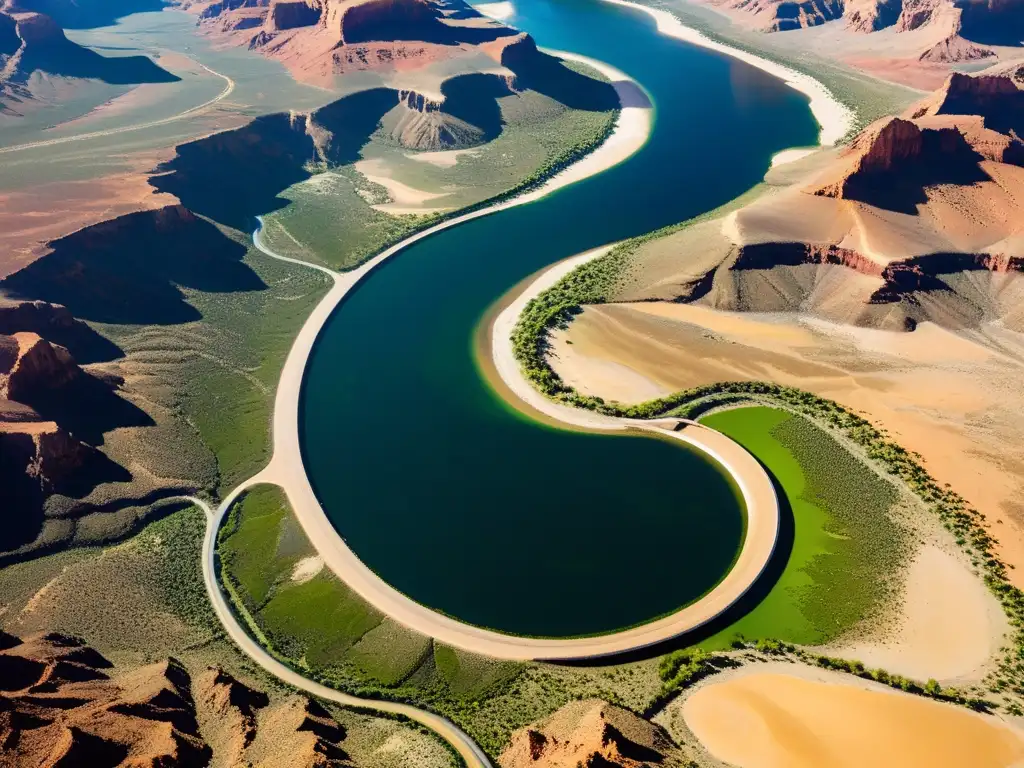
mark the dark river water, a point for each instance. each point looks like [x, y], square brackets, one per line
[450, 495]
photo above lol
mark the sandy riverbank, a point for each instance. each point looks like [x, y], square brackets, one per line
[781, 716]
[947, 396]
[754, 484]
[286, 470]
[834, 117]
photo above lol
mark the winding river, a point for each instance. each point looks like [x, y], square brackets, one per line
[455, 498]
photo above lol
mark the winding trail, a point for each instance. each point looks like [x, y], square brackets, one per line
[471, 754]
[228, 88]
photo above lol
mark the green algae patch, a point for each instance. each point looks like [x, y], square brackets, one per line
[838, 545]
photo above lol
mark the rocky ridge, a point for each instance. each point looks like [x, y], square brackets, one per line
[34, 43]
[971, 119]
[592, 734]
[960, 30]
[62, 703]
[918, 219]
[321, 39]
[40, 456]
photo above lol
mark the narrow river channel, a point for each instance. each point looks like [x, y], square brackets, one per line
[455, 498]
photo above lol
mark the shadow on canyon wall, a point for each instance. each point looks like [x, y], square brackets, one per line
[132, 270]
[56, 324]
[24, 494]
[980, 23]
[545, 74]
[9, 40]
[233, 176]
[45, 48]
[129, 270]
[71, 60]
[384, 20]
[959, 165]
[87, 407]
[87, 14]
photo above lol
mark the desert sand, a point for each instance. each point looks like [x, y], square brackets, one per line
[787, 156]
[34, 215]
[771, 718]
[947, 627]
[446, 158]
[404, 199]
[950, 397]
[307, 568]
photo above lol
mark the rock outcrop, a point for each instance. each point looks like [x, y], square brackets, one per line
[46, 400]
[63, 704]
[320, 39]
[60, 704]
[941, 32]
[594, 734]
[941, 140]
[303, 734]
[894, 150]
[37, 366]
[991, 97]
[783, 15]
[40, 457]
[871, 15]
[33, 43]
[235, 705]
[920, 218]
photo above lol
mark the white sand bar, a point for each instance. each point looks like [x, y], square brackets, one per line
[499, 11]
[791, 155]
[834, 117]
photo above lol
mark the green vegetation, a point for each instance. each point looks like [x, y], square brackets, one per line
[254, 528]
[322, 629]
[317, 618]
[594, 280]
[209, 384]
[141, 599]
[845, 547]
[681, 669]
[331, 222]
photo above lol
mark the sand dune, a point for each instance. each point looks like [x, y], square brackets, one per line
[778, 720]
